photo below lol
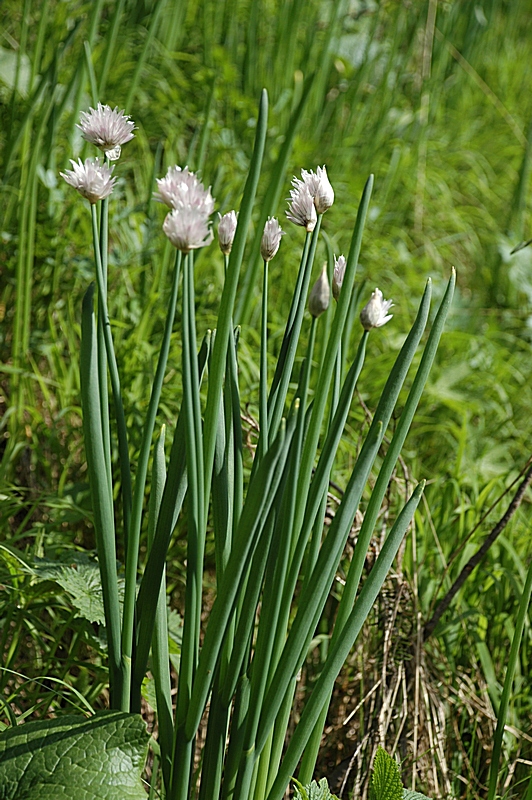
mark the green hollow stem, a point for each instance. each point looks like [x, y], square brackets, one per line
[324, 381]
[101, 501]
[253, 521]
[183, 749]
[225, 316]
[140, 485]
[125, 469]
[316, 586]
[339, 652]
[374, 505]
[522, 614]
[283, 372]
[263, 388]
[102, 358]
[172, 500]
[160, 657]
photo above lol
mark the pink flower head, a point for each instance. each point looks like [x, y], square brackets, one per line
[91, 179]
[187, 229]
[107, 128]
[180, 188]
[301, 209]
[319, 187]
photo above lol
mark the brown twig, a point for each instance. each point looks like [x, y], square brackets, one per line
[444, 604]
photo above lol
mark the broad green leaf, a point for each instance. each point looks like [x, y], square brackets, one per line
[80, 578]
[386, 783]
[74, 758]
[408, 794]
[313, 791]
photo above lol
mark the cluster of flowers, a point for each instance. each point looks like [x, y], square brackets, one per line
[187, 225]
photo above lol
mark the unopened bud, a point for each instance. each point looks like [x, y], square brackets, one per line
[320, 295]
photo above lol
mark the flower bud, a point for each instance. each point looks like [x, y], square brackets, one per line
[226, 231]
[271, 239]
[338, 276]
[375, 312]
[318, 300]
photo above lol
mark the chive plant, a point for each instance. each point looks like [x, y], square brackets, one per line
[275, 560]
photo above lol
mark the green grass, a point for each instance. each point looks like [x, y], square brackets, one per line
[450, 160]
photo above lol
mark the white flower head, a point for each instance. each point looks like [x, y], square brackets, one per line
[180, 188]
[91, 179]
[320, 295]
[226, 231]
[301, 209]
[271, 239]
[338, 276]
[375, 312]
[319, 187]
[107, 128]
[187, 229]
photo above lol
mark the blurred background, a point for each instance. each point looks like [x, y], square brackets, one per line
[435, 99]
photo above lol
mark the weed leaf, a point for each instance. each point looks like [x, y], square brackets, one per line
[386, 783]
[74, 758]
[313, 791]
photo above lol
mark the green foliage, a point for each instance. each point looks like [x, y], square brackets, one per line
[73, 758]
[313, 791]
[80, 578]
[450, 188]
[386, 783]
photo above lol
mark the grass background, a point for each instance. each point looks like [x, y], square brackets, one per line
[435, 99]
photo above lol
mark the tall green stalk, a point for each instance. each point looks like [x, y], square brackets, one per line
[140, 487]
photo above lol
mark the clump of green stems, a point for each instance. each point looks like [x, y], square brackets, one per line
[275, 565]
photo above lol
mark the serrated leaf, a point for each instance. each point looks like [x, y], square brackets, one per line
[80, 578]
[313, 791]
[386, 783]
[408, 794]
[74, 758]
